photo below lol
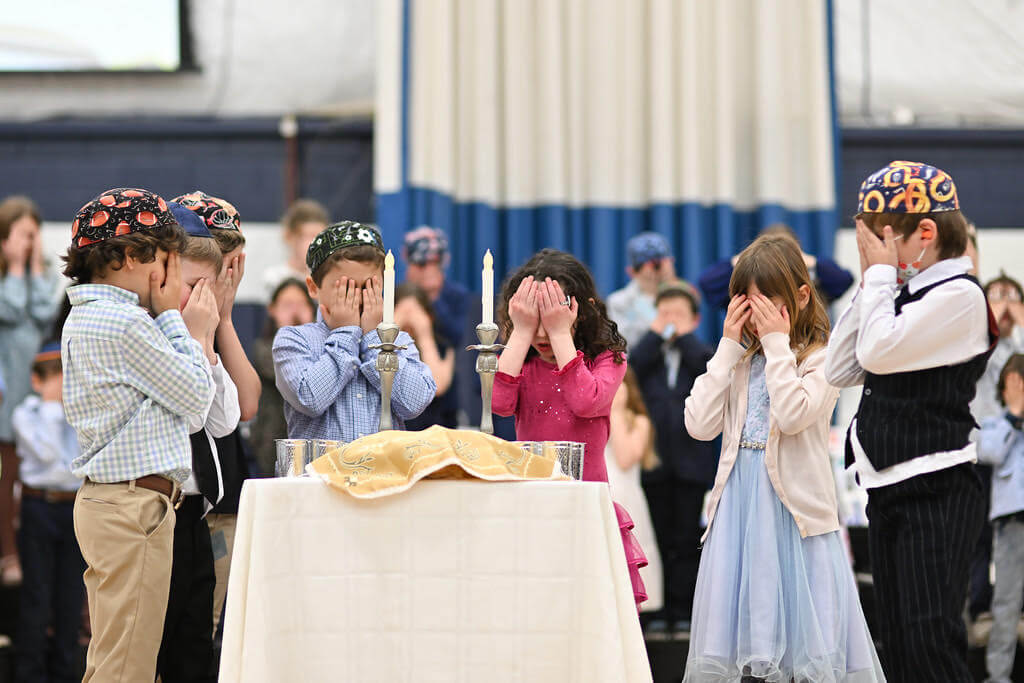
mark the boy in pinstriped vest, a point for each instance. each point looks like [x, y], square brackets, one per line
[917, 336]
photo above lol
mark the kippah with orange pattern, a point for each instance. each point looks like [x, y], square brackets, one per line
[908, 187]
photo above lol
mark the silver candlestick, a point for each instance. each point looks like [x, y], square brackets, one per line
[387, 366]
[486, 366]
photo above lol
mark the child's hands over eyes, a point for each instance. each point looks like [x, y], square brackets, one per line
[373, 304]
[556, 315]
[163, 296]
[874, 251]
[200, 312]
[340, 303]
[1016, 309]
[522, 308]
[224, 289]
[736, 316]
[36, 254]
[767, 318]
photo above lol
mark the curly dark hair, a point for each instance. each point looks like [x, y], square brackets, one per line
[595, 332]
[83, 264]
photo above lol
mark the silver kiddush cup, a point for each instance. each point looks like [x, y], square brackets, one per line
[292, 457]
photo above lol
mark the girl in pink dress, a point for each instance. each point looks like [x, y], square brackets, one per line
[562, 364]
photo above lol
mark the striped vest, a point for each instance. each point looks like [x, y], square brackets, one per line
[905, 415]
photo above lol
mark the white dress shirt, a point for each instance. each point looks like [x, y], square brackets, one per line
[929, 333]
[219, 420]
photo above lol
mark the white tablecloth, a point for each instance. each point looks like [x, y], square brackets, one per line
[453, 581]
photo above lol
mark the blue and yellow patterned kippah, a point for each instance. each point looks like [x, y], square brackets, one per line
[908, 187]
[338, 236]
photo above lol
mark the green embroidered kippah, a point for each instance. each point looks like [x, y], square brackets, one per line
[338, 236]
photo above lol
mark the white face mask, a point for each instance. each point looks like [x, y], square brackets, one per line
[906, 271]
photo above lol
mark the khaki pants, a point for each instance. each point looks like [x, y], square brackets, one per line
[222, 536]
[126, 534]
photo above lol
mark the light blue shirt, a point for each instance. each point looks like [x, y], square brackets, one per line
[1002, 446]
[46, 444]
[331, 387]
[633, 311]
[130, 384]
[27, 306]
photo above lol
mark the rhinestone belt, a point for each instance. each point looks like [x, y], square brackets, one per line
[754, 445]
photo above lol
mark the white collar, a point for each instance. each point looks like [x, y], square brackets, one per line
[939, 271]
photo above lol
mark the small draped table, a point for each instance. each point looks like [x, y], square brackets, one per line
[450, 581]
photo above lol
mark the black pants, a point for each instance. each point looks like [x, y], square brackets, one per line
[922, 533]
[51, 593]
[186, 652]
[675, 507]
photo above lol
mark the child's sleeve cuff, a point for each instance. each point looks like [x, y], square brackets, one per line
[571, 366]
[171, 324]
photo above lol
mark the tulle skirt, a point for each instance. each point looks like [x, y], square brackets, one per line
[635, 557]
[770, 604]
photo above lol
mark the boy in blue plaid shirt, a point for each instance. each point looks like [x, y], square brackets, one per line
[134, 372]
[325, 370]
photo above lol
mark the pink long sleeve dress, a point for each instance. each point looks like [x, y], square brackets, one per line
[572, 404]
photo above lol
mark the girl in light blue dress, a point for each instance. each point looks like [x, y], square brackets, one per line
[776, 598]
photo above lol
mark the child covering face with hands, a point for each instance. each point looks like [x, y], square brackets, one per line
[563, 363]
[326, 370]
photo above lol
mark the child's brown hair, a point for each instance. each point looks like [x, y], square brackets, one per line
[951, 227]
[1014, 365]
[44, 369]
[304, 211]
[595, 331]
[775, 264]
[203, 250]
[13, 209]
[227, 240]
[83, 264]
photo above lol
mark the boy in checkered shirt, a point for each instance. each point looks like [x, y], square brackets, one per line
[326, 370]
[134, 372]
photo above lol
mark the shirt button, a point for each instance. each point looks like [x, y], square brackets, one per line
[359, 395]
[867, 392]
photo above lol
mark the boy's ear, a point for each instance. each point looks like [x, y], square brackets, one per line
[314, 291]
[929, 231]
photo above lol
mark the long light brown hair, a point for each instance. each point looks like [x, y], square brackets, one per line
[776, 265]
[636, 407]
[12, 209]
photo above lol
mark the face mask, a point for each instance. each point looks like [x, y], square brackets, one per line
[906, 271]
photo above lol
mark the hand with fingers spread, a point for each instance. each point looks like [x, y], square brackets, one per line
[767, 318]
[224, 289]
[736, 316]
[373, 304]
[341, 303]
[557, 311]
[874, 251]
[163, 296]
[200, 312]
[523, 309]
